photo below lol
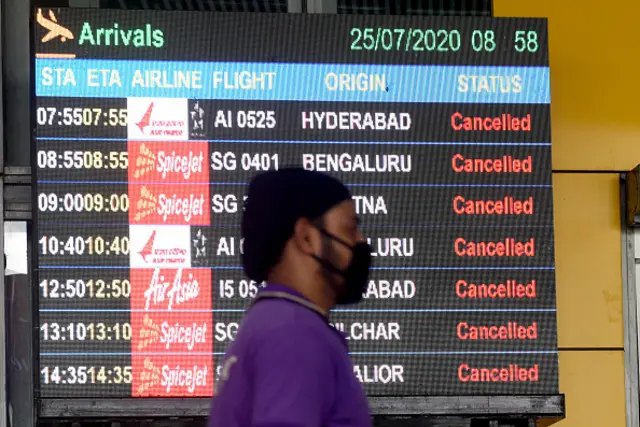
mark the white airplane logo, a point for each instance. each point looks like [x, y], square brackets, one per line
[55, 29]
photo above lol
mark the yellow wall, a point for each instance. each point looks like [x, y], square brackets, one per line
[595, 107]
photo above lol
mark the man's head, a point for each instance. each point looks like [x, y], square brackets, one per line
[300, 228]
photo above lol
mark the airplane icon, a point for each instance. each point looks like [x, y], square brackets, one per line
[55, 29]
[146, 119]
[147, 250]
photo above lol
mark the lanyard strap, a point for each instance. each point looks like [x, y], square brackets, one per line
[285, 295]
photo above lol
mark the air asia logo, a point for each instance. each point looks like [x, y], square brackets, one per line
[55, 29]
[160, 246]
[159, 118]
[145, 36]
[168, 161]
[161, 376]
[171, 289]
[164, 204]
[179, 332]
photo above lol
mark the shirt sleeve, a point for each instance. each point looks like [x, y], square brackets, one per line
[293, 379]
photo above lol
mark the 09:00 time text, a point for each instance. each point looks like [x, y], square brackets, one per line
[86, 375]
[83, 202]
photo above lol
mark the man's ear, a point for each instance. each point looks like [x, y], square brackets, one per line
[305, 236]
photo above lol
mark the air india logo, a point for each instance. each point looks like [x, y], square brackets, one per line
[163, 119]
[55, 29]
[160, 246]
[144, 121]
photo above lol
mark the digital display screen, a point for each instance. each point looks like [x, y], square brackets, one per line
[148, 126]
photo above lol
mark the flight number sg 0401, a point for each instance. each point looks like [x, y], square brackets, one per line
[230, 161]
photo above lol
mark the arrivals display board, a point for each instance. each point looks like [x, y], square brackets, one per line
[148, 126]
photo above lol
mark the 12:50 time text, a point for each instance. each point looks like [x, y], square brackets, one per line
[73, 288]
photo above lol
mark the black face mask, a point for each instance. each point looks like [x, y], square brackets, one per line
[356, 274]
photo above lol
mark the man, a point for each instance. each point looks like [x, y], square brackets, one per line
[288, 367]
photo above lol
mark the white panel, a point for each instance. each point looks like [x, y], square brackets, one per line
[636, 245]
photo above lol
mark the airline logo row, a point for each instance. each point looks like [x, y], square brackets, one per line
[172, 162]
[172, 119]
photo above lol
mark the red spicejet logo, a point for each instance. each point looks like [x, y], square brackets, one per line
[169, 204]
[172, 332]
[168, 161]
[172, 376]
[170, 289]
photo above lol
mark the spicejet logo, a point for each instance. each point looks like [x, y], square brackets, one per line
[158, 376]
[158, 332]
[163, 204]
[55, 29]
[158, 118]
[149, 377]
[168, 161]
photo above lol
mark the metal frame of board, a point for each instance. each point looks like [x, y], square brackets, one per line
[631, 311]
[16, 204]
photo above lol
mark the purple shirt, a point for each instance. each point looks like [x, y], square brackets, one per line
[288, 368]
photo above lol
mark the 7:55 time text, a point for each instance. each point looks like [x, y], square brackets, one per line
[81, 116]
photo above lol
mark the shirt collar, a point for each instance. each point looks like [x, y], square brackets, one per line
[276, 290]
